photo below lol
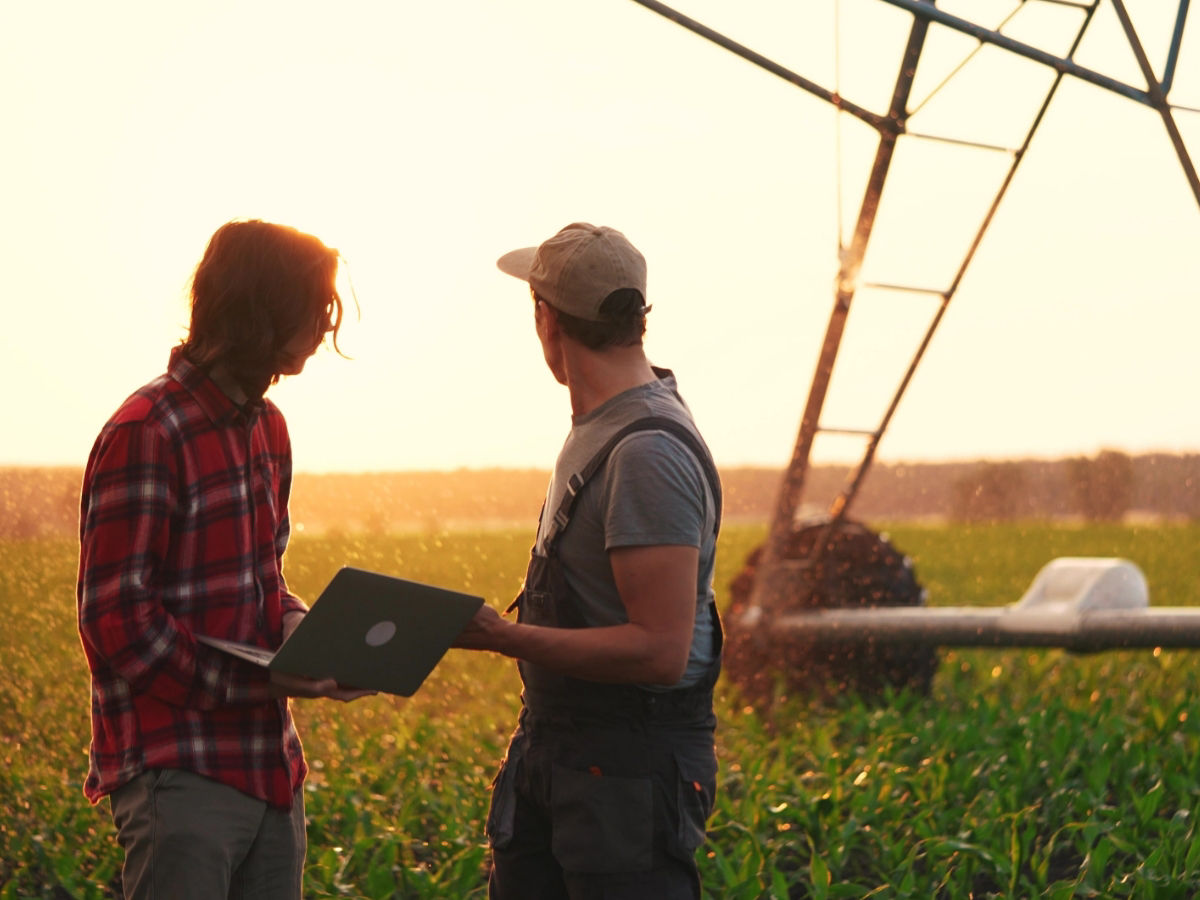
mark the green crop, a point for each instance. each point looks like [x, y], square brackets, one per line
[1026, 773]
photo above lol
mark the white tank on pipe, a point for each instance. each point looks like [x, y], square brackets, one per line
[1071, 585]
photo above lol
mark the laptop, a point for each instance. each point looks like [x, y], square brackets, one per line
[368, 631]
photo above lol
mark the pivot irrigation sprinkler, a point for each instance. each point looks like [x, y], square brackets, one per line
[827, 599]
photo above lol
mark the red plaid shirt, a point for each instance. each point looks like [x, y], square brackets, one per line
[183, 526]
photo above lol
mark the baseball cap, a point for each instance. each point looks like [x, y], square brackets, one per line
[575, 270]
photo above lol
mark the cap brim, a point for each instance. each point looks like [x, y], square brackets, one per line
[517, 263]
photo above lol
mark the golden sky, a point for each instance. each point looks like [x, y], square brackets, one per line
[424, 140]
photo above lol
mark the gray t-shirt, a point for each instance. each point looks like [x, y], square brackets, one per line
[652, 491]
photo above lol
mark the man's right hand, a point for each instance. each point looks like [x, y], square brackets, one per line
[480, 633]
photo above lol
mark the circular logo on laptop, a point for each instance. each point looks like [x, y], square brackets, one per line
[380, 633]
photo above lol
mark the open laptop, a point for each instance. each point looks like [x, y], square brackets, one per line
[368, 631]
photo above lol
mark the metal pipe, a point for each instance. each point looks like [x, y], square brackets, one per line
[851, 264]
[959, 142]
[841, 504]
[927, 10]
[1173, 54]
[993, 627]
[873, 119]
[1158, 99]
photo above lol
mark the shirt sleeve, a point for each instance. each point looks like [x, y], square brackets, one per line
[288, 601]
[656, 493]
[129, 496]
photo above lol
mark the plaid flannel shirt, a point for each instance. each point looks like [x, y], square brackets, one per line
[183, 527]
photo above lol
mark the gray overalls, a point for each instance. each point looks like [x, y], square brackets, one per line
[606, 788]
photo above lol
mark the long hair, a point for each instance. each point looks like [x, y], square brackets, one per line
[257, 287]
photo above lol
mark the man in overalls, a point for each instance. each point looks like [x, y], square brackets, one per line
[611, 772]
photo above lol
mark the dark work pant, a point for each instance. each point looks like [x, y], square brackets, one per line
[593, 809]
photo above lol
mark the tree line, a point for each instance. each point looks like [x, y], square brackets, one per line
[1110, 485]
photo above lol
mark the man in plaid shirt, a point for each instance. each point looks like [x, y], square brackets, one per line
[184, 522]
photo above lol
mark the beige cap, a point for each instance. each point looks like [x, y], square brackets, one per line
[575, 270]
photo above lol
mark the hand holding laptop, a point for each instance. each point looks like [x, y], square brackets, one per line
[367, 631]
[283, 685]
[311, 688]
[478, 634]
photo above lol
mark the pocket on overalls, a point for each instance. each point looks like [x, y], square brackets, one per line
[695, 791]
[534, 601]
[503, 806]
[601, 824]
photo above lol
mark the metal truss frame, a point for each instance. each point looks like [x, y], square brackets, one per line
[777, 578]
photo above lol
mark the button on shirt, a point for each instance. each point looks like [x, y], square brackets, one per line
[183, 527]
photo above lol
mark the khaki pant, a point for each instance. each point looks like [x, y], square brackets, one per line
[187, 837]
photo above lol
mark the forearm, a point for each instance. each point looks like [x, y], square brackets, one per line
[125, 624]
[627, 653]
[152, 651]
[291, 605]
[658, 588]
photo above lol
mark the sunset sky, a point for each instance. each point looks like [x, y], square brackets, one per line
[424, 140]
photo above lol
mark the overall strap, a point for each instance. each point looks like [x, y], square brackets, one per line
[549, 693]
[562, 515]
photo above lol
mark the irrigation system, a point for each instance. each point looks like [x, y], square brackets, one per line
[829, 588]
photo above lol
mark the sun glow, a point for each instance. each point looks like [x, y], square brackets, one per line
[424, 145]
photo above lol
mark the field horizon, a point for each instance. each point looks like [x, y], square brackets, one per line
[44, 501]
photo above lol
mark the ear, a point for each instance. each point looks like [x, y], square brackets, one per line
[547, 319]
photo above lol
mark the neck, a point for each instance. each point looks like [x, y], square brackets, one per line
[229, 385]
[593, 378]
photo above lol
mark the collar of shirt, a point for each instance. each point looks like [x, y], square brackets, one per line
[215, 403]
